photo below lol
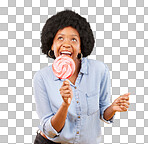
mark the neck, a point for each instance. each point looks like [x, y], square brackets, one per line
[77, 69]
[78, 66]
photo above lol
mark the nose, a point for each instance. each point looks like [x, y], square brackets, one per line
[66, 45]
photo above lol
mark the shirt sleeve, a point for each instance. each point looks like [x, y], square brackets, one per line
[43, 106]
[49, 130]
[105, 95]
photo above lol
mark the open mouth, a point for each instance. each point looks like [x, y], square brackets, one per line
[66, 53]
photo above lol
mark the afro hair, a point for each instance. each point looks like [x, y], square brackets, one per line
[64, 19]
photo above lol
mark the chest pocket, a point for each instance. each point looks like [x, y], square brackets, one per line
[92, 102]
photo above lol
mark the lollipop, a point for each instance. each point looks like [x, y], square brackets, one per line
[63, 67]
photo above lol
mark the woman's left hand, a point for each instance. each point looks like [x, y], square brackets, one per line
[121, 104]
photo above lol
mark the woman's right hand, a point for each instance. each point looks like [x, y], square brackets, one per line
[66, 92]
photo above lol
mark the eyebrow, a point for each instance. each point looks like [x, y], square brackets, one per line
[70, 35]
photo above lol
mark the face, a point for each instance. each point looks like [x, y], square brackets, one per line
[67, 42]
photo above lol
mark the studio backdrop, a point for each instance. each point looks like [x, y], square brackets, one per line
[120, 28]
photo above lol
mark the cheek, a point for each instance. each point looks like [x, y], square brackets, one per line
[76, 45]
[78, 48]
[56, 46]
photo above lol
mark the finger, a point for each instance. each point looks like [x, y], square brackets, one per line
[65, 99]
[69, 100]
[123, 108]
[66, 87]
[66, 91]
[124, 97]
[63, 87]
[127, 102]
[66, 82]
[66, 95]
[122, 101]
[124, 104]
[127, 93]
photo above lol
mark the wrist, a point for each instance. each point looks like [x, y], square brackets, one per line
[113, 108]
[65, 104]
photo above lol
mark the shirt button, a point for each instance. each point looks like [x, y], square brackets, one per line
[78, 116]
[75, 87]
[77, 101]
[77, 132]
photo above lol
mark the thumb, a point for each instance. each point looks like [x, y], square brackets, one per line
[66, 82]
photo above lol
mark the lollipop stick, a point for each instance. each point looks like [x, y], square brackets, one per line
[64, 67]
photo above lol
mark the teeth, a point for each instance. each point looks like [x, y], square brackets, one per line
[66, 52]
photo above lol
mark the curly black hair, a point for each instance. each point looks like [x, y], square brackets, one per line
[64, 19]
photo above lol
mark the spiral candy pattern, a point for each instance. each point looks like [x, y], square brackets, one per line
[63, 67]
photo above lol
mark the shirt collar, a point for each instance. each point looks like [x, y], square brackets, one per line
[84, 67]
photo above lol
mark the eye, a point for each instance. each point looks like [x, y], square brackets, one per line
[60, 38]
[73, 39]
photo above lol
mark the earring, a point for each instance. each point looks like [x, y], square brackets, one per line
[51, 53]
[80, 55]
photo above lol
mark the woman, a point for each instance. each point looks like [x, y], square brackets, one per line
[88, 88]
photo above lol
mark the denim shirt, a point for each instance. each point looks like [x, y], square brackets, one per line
[91, 96]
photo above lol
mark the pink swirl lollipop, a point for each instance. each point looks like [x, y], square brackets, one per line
[63, 66]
